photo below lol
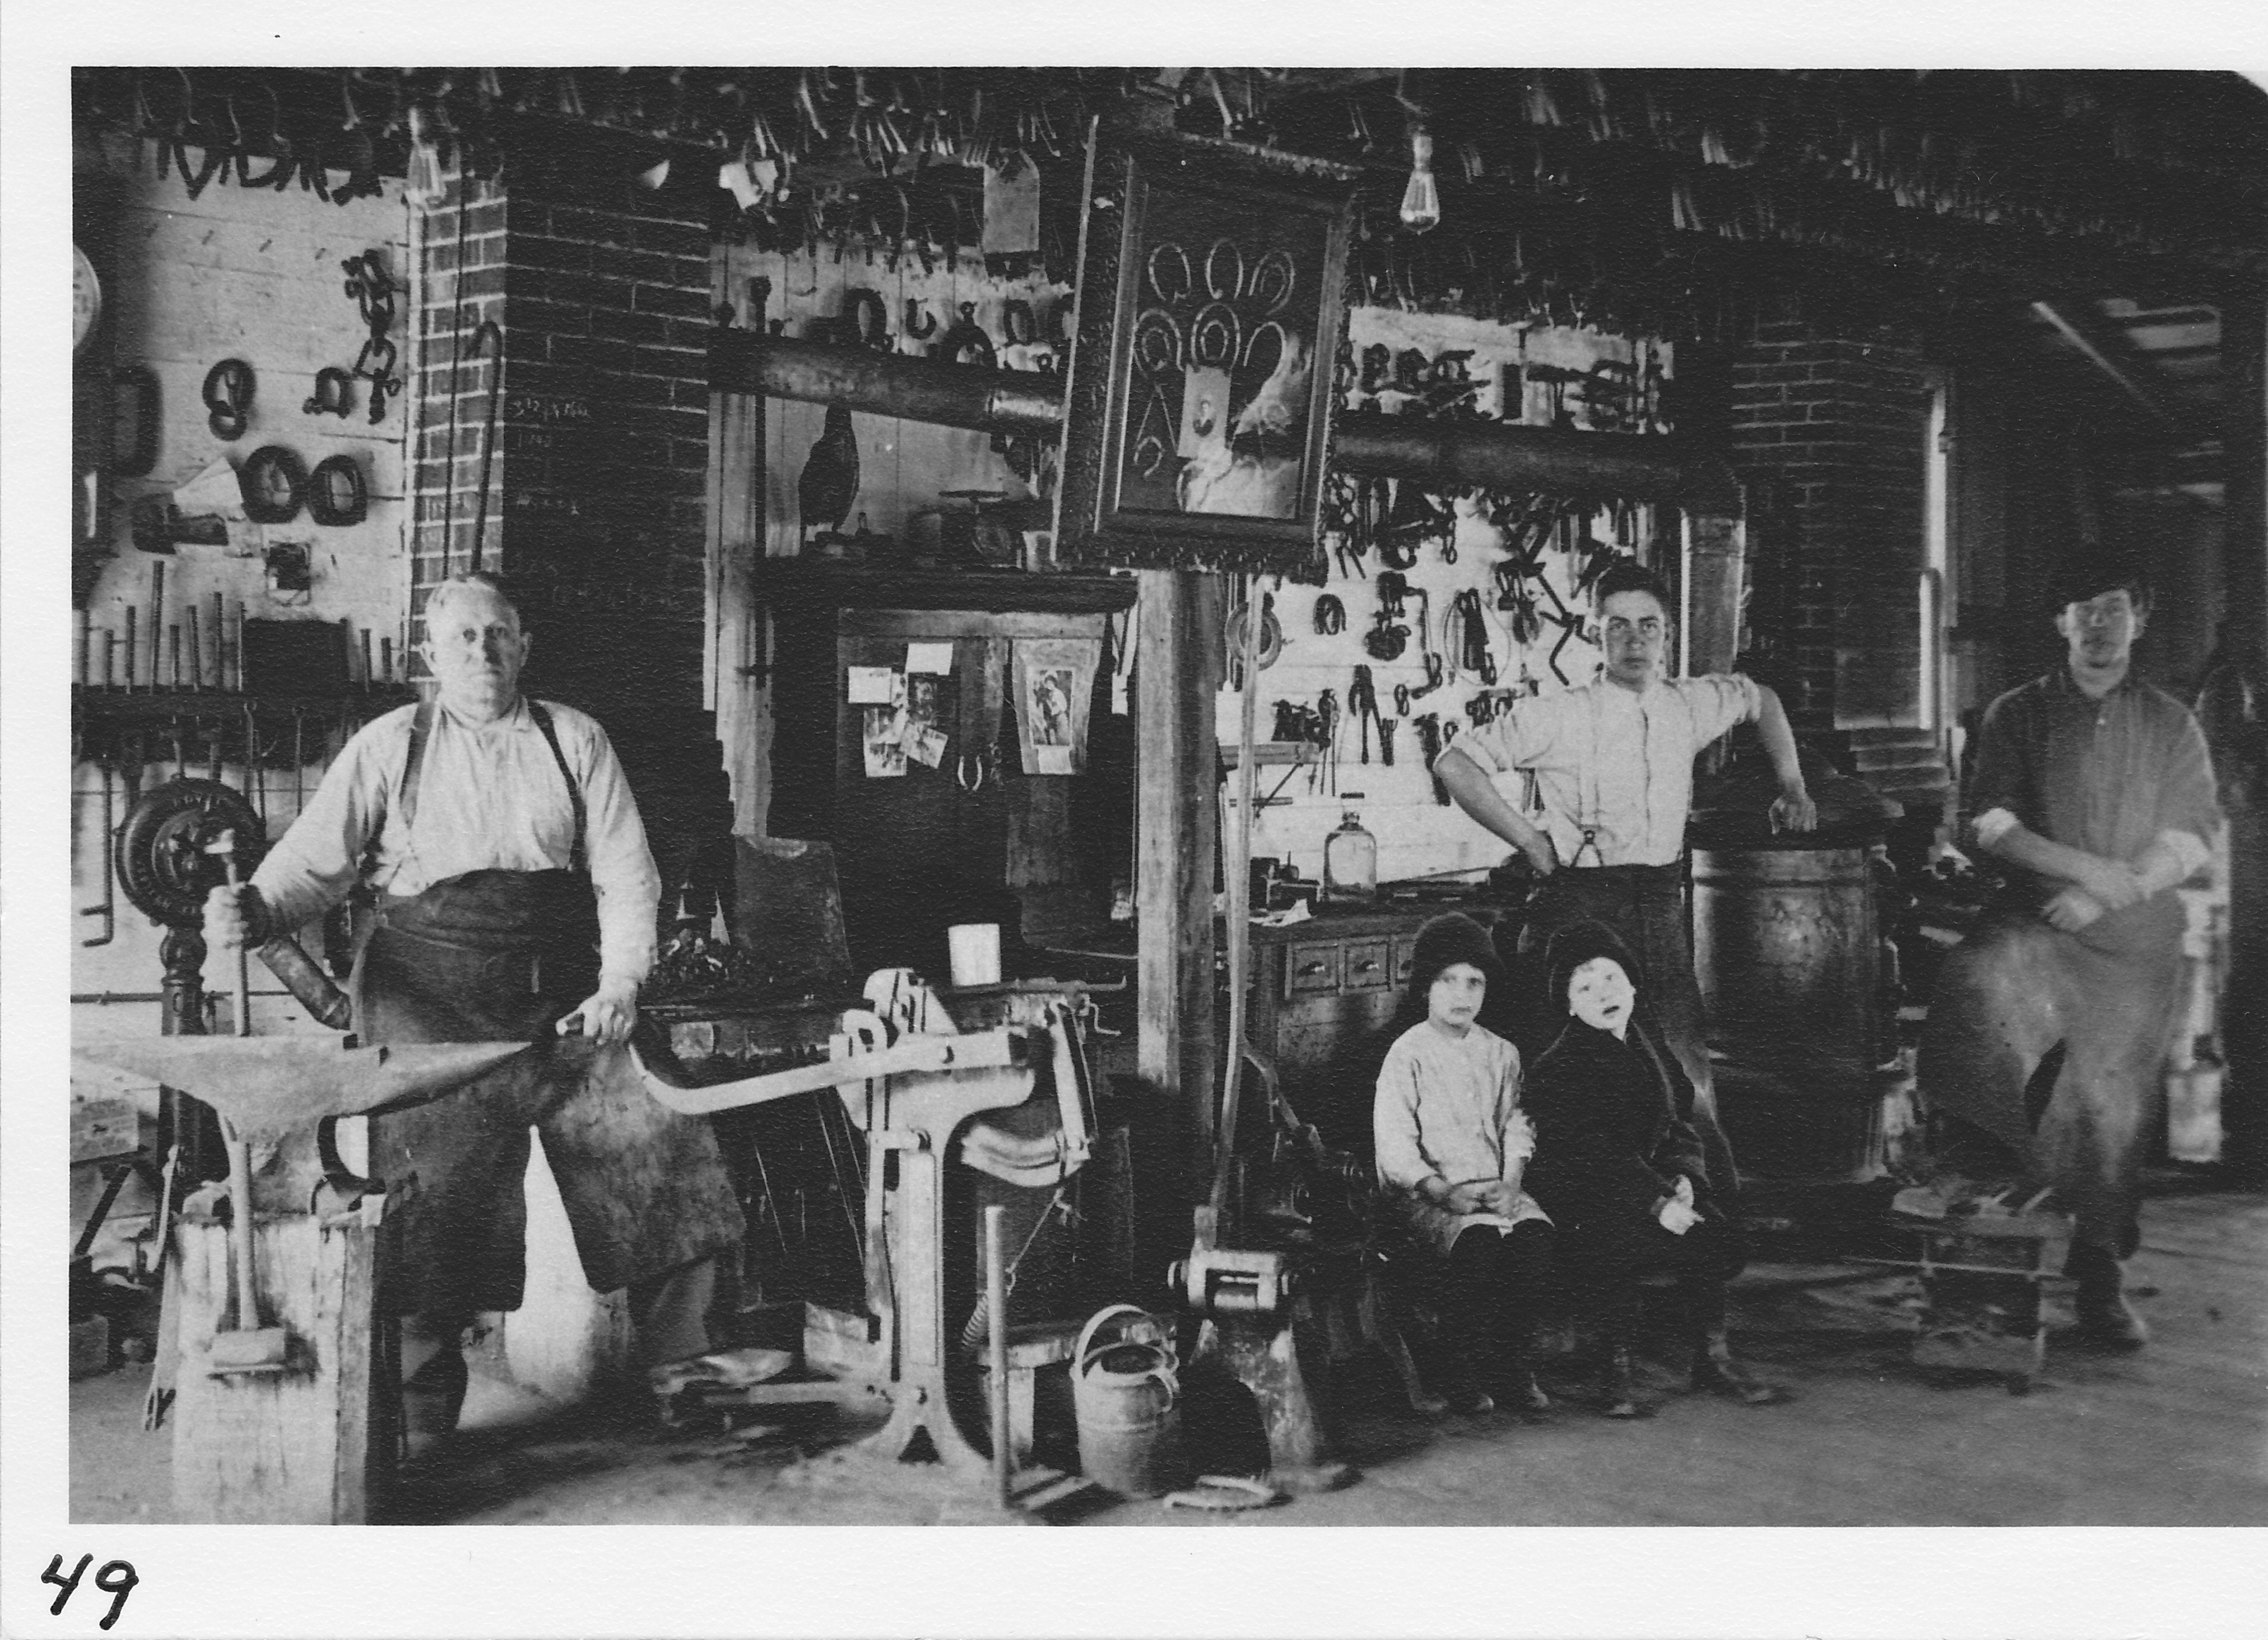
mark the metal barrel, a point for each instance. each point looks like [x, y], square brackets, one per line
[1789, 956]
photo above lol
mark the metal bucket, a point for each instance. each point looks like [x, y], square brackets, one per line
[1127, 1394]
[1786, 947]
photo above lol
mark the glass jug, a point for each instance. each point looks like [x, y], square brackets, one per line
[1351, 860]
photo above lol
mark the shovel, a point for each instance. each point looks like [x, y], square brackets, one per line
[247, 1347]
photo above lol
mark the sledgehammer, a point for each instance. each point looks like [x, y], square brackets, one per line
[247, 1347]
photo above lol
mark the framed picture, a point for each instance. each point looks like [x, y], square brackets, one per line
[1054, 684]
[1200, 407]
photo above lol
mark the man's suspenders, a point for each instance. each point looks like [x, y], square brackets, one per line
[421, 731]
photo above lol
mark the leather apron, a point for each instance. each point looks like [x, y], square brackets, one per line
[503, 955]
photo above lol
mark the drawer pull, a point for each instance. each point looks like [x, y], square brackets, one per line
[1313, 968]
[1366, 967]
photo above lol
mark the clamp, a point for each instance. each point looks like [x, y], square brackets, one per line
[334, 392]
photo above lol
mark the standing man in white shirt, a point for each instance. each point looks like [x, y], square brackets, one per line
[515, 899]
[1613, 760]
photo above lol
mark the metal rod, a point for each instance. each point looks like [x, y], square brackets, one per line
[220, 642]
[243, 682]
[108, 909]
[996, 1308]
[385, 660]
[196, 649]
[173, 652]
[157, 618]
[107, 999]
[109, 659]
[130, 616]
[81, 641]
[1494, 455]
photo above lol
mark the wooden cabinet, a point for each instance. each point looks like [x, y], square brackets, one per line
[1323, 993]
[977, 839]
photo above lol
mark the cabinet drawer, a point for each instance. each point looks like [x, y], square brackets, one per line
[1367, 963]
[1405, 957]
[1311, 969]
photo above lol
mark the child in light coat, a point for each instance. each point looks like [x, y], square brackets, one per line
[1452, 1144]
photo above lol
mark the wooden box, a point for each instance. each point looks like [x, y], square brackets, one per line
[313, 1445]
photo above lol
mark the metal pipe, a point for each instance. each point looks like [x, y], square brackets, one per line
[1493, 455]
[995, 1307]
[914, 389]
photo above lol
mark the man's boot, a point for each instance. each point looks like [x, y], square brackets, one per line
[2104, 1315]
[1715, 1368]
[431, 1398]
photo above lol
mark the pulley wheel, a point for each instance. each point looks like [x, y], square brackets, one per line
[161, 858]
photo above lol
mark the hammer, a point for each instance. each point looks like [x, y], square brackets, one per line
[247, 1347]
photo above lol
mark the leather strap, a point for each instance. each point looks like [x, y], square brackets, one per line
[412, 768]
[577, 859]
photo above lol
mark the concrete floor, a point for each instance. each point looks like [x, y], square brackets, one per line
[2176, 1435]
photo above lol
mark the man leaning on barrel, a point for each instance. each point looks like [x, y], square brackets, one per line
[2048, 1030]
[515, 899]
[1613, 760]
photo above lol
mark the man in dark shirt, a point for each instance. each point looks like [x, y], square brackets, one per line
[2096, 790]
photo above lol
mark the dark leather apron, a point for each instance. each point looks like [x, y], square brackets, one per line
[502, 955]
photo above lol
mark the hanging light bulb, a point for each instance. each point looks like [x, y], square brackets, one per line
[425, 184]
[1421, 199]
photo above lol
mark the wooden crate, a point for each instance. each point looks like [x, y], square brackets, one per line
[313, 1445]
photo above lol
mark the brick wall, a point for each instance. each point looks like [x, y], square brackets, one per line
[1829, 426]
[597, 496]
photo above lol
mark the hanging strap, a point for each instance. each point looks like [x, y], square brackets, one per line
[1589, 805]
[413, 767]
[577, 859]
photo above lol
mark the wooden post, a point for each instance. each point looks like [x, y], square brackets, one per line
[1177, 669]
[2242, 747]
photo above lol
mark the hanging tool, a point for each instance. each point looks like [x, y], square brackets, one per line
[1329, 615]
[337, 493]
[333, 393]
[1430, 745]
[491, 332]
[229, 389]
[1362, 700]
[157, 618]
[1269, 646]
[247, 1347]
[1402, 700]
[1471, 647]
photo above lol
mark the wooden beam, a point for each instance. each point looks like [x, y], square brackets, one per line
[1177, 671]
[2241, 737]
[2115, 358]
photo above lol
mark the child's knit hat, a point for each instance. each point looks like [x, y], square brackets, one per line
[1453, 938]
[1576, 944]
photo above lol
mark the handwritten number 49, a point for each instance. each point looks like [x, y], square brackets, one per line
[116, 1579]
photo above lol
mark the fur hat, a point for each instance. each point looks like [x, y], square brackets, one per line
[1450, 939]
[1576, 944]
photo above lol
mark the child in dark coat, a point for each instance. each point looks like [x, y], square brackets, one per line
[1452, 1144]
[1623, 1171]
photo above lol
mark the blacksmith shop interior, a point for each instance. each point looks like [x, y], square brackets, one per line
[938, 676]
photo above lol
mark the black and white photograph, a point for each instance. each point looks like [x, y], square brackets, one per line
[1355, 800]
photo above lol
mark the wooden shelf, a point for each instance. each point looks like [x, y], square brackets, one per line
[836, 584]
[91, 705]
